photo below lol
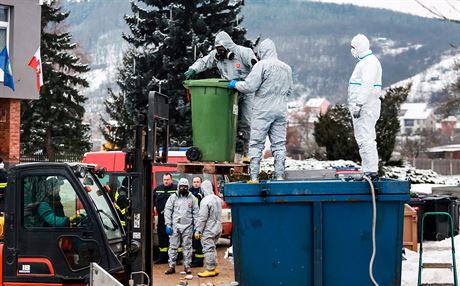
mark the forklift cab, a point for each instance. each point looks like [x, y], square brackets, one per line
[58, 219]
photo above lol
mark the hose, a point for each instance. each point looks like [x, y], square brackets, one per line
[374, 224]
[131, 281]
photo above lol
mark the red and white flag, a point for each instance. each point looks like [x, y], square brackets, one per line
[36, 64]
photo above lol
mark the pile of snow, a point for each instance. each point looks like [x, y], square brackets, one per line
[309, 164]
[433, 251]
[416, 176]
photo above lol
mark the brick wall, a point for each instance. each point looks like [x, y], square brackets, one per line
[10, 111]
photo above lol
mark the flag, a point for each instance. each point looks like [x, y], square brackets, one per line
[5, 67]
[36, 64]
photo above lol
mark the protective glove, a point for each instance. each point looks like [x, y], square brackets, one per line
[168, 230]
[232, 84]
[197, 235]
[356, 110]
[190, 73]
[75, 216]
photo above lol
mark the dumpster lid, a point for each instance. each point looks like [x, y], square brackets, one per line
[315, 188]
[209, 82]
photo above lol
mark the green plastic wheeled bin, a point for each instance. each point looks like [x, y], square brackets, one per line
[214, 120]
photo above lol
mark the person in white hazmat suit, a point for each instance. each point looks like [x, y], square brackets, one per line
[233, 62]
[364, 92]
[271, 80]
[209, 228]
[180, 212]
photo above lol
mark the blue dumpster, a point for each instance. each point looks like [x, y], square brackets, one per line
[316, 232]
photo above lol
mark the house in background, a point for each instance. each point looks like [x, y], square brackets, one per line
[416, 116]
[301, 124]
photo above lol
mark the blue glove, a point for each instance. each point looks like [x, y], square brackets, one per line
[190, 73]
[232, 84]
[168, 230]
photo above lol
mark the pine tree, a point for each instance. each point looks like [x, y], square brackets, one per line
[334, 130]
[166, 37]
[117, 135]
[388, 125]
[54, 123]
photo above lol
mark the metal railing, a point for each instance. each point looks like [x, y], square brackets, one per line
[39, 157]
[440, 166]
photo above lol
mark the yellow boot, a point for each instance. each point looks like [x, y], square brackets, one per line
[208, 273]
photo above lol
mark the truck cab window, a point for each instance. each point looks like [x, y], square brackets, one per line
[51, 201]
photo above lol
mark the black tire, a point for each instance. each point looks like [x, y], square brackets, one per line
[193, 154]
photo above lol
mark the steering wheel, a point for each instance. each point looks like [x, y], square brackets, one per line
[79, 220]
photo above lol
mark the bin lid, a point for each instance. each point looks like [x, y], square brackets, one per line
[209, 82]
[332, 187]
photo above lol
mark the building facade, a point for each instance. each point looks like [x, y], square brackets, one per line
[20, 34]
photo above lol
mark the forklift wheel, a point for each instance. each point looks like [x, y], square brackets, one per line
[193, 154]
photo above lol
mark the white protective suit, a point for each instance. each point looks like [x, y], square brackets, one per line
[209, 224]
[271, 80]
[180, 214]
[237, 68]
[364, 92]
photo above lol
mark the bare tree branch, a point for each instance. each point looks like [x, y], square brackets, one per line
[452, 6]
[436, 13]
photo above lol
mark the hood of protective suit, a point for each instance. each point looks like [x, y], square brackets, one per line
[360, 43]
[223, 39]
[206, 188]
[183, 182]
[267, 49]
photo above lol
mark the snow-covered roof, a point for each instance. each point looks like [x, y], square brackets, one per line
[315, 102]
[445, 148]
[415, 111]
[450, 119]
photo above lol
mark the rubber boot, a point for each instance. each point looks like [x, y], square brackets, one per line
[162, 259]
[208, 273]
[196, 262]
[170, 270]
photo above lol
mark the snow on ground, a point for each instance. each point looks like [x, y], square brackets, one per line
[434, 79]
[421, 180]
[433, 251]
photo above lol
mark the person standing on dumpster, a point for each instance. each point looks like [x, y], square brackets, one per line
[271, 80]
[160, 197]
[234, 62]
[209, 228]
[181, 211]
[364, 92]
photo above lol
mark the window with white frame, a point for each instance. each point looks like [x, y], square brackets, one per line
[4, 31]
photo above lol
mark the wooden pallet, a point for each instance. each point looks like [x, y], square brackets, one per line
[213, 168]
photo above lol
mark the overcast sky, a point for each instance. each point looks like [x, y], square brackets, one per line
[448, 8]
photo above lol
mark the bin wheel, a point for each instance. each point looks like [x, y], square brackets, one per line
[193, 154]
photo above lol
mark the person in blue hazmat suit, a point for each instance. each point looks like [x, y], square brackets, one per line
[209, 228]
[181, 211]
[271, 80]
[364, 92]
[234, 62]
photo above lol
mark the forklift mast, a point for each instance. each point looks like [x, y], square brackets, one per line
[151, 147]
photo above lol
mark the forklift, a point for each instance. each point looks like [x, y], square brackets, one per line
[59, 219]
